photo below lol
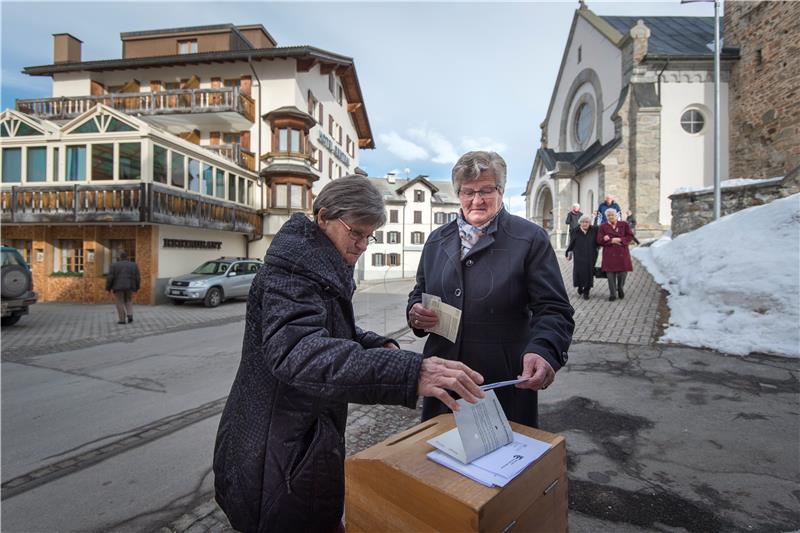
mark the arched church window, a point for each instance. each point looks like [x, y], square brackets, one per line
[583, 123]
[692, 121]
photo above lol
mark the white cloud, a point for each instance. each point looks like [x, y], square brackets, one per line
[443, 150]
[402, 148]
[483, 143]
[515, 204]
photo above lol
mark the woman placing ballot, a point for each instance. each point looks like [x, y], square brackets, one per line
[500, 271]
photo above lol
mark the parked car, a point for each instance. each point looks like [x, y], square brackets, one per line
[16, 286]
[215, 281]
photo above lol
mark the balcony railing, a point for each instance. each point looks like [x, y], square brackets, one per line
[123, 202]
[174, 101]
[234, 152]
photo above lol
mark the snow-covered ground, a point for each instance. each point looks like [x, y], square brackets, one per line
[734, 284]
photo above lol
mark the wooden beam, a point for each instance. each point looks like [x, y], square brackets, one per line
[363, 143]
[353, 107]
[326, 68]
[306, 64]
[341, 70]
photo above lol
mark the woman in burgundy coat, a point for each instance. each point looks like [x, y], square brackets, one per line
[615, 236]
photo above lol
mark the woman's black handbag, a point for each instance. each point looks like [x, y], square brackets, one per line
[598, 273]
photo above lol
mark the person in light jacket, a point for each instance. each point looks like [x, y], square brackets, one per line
[501, 272]
[123, 280]
[615, 236]
[279, 453]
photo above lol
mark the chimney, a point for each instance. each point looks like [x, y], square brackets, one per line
[66, 48]
[640, 35]
[390, 178]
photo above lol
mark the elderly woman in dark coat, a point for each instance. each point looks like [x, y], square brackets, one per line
[615, 236]
[279, 454]
[502, 273]
[583, 248]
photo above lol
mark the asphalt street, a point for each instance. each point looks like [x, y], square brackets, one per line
[114, 431]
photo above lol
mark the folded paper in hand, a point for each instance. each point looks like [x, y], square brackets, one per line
[449, 317]
[482, 445]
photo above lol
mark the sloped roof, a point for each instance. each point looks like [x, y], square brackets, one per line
[392, 192]
[673, 36]
[583, 160]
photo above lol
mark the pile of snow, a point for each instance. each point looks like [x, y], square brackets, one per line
[734, 284]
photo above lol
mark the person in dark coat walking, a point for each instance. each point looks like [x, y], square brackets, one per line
[583, 249]
[279, 452]
[631, 220]
[502, 273]
[573, 217]
[123, 280]
[615, 236]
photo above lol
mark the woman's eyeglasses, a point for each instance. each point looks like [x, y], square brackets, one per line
[483, 192]
[357, 236]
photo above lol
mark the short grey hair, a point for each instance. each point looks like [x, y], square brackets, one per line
[470, 165]
[576, 206]
[585, 217]
[609, 210]
[354, 197]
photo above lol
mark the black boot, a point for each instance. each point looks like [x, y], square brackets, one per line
[586, 294]
[621, 293]
[580, 290]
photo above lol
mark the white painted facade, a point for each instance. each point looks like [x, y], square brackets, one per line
[419, 210]
[178, 261]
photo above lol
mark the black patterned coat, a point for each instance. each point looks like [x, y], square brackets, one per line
[279, 454]
[512, 299]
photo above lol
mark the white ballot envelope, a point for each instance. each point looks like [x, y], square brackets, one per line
[480, 428]
[449, 316]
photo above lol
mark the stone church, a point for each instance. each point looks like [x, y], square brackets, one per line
[631, 115]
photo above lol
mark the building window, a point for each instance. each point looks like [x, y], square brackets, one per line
[331, 83]
[393, 237]
[339, 135]
[319, 161]
[280, 195]
[230, 137]
[330, 125]
[378, 260]
[102, 162]
[130, 161]
[417, 217]
[312, 103]
[439, 218]
[330, 168]
[56, 173]
[194, 175]
[159, 164]
[37, 164]
[419, 196]
[208, 180]
[393, 215]
[178, 171]
[240, 190]
[288, 140]
[417, 237]
[692, 121]
[187, 47]
[339, 94]
[220, 190]
[583, 123]
[76, 163]
[393, 259]
[116, 247]
[69, 256]
[23, 246]
[250, 194]
[12, 165]
[580, 53]
[452, 216]
[378, 237]
[231, 187]
[321, 118]
[296, 196]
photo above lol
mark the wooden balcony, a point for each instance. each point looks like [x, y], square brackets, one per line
[123, 203]
[234, 152]
[146, 104]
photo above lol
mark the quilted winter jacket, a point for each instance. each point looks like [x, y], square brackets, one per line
[123, 276]
[279, 454]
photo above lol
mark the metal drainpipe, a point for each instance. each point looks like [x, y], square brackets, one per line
[659, 80]
[258, 159]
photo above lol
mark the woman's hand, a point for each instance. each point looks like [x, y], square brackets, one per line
[437, 376]
[606, 238]
[391, 346]
[420, 317]
[615, 240]
[538, 371]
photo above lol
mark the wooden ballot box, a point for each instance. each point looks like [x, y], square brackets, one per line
[393, 486]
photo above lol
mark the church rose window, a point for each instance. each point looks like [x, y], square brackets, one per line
[583, 123]
[692, 121]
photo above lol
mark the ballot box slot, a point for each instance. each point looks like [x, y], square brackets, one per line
[416, 431]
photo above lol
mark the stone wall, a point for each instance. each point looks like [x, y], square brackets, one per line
[764, 90]
[691, 210]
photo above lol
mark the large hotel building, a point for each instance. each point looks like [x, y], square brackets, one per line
[198, 143]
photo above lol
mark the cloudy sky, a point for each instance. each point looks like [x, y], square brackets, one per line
[438, 79]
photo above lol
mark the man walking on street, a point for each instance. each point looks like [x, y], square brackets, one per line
[123, 279]
[610, 203]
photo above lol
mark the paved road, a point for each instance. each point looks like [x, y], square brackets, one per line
[117, 433]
